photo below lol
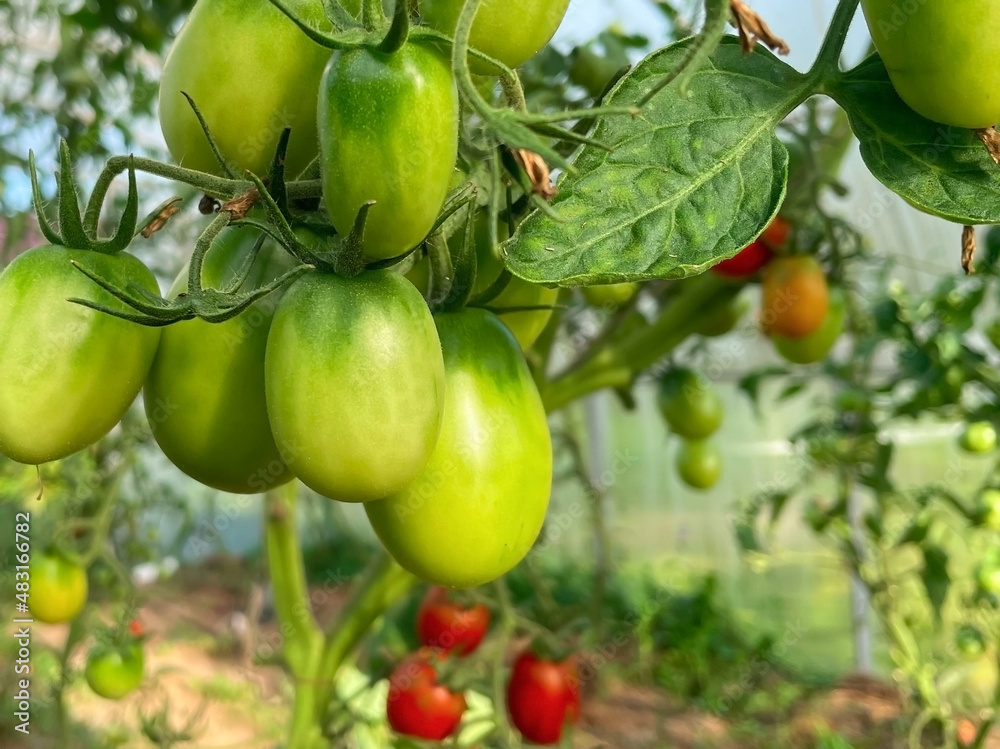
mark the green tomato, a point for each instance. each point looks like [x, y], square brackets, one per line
[252, 72]
[689, 405]
[611, 296]
[480, 503]
[526, 326]
[510, 31]
[593, 71]
[355, 383]
[57, 588]
[113, 672]
[205, 395]
[815, 346]
[941, 57]
[988, 577]
[989, 508]
[980, 437]
[970, 641]
[68, 373]
[699, 464]
[723, 319]
[388, 131]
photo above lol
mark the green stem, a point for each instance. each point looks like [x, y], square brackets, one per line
[508, 626]
[303, 637]
[400, 29]
[373, 15]
[827, 63]
[384, 583]
[75, 634]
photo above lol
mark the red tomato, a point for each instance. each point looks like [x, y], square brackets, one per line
[419, 706]
[135, 627]
[543, 696]
[757, 254]
[449, 627]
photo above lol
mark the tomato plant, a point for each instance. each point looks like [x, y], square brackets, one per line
[355, 383]
[936, 61]
[114, 671]
[510, 32]
[418, 705]
[58, 588]
[796, 298]
[262, 80]
[543, 696]
[388, 130]
[69, 373]
[448, 626]
[689, 405]
[479, 504]
[699, 463]
[205, 395]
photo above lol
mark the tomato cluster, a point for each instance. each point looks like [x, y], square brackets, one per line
[543, 695]
[693, 411]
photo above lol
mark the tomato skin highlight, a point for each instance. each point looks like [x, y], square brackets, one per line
[205, 396]
[262, 78]
[511, 31]
[67, 373]
[418, 706]
[447, 626]
[354, 378]
[114, 672]
[796, 298]
[542, 697]
[478, 507]
[814, 347]
[58, 588]
[941, 58]
[388, 130]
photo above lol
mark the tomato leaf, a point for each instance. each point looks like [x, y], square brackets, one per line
[939, 169]
[689, 182]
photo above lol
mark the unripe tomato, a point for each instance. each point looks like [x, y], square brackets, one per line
[980, 437]
[543, 696]
[510, 31]
[941, 57]
[263, 78]
[988, 577]
[57, 588]
[611, 296]
[115, 671]
[970, 641]
[989, 508]
[593, 71]
[388, 131]
[689, 405]
[723, 319]
[699, 464]
[205, 395]
[447, 626]
[355, 383]
[796, 298]
[479, 504]
[814, 347]
[67, 373]
[418, 706]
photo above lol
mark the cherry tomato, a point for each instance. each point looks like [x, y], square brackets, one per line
[988, 577]
[355, 383]
[510, 31]
[989, 508]
[115, 671]
[979, 437]
[419, 706]
[941, 57]
[796, 298]
[543, 696]
[689, 405]
[68, 373]
[699, 464]
[477, 508]
[205, 395]
[723, 319]
[970, 641]
[746, 263]
[814, 347]
[252, 72]
[388, 132]
[57, 588]
[610, 296]
[450, 627]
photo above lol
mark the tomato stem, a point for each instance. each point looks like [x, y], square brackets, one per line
[400, 29]
[827, 63]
